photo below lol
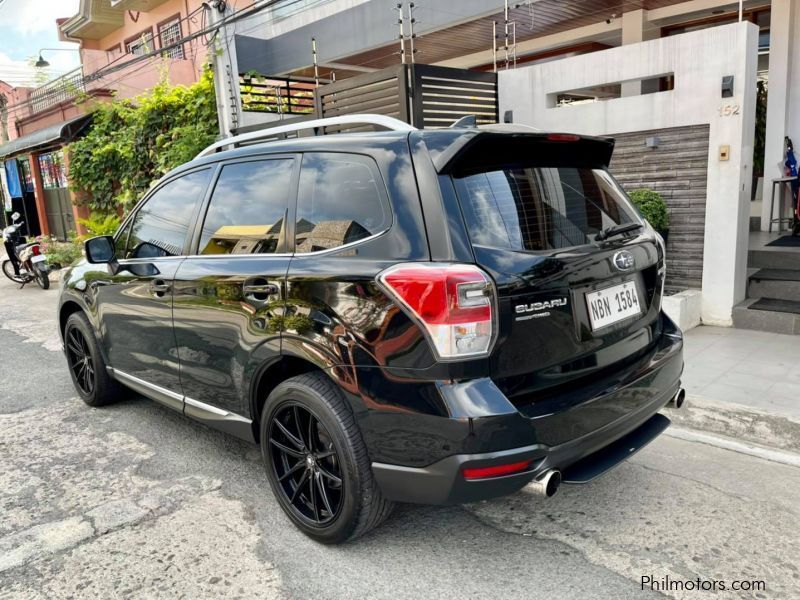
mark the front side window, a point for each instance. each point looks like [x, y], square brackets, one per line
[121, 240]
[161, 224]
[341, 199]
[541, 208]
[247, 208]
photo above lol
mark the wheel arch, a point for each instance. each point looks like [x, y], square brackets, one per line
[269, 376]
[70, 306]
[65, 311]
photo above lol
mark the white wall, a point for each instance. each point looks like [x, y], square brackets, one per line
[698, 60]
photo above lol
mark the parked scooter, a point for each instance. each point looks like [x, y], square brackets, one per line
[31, 264]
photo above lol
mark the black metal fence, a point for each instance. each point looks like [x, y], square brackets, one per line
[383, 92]
[425, 96]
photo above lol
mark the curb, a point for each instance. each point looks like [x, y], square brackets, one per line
[692, 435]
[740, 424]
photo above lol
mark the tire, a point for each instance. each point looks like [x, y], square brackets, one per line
[347, 511]
[8, 271]
[92, 382]
[42, 278]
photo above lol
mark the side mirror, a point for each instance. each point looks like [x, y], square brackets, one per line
[15, 216]
[100, 250]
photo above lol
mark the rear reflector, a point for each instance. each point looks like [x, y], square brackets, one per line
[563, 137]
[496, 470]
[35, 250]
[454, 303]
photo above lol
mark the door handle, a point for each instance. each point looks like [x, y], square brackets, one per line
[160, 287]
[263, 288]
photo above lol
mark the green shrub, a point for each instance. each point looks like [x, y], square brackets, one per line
[98, 224]
[131, 143]
[652, 206]
[61, 253]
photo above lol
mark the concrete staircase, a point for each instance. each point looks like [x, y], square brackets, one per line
[774, 289]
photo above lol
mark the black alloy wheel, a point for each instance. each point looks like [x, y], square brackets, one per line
[306, 464]
[316, 461]
[80, 361]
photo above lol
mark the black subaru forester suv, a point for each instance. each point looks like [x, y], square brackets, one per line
[434, 316]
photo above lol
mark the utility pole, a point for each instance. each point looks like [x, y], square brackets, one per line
[314, 58]
[226, 70]
[400, 21]
[494, 46]
[3, 118]
[514, 42]
[505, 21]
[411, 21]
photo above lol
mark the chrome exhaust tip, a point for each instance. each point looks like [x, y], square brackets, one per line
[546, 484]
[679, 398]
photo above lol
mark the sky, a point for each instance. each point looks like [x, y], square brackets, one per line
[26, 26]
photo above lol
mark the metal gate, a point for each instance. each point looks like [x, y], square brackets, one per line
[58, 208]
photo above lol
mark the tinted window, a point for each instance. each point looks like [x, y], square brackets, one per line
[247, 207]
[121, 240]
[161, 224]
[340, 201]
[541, 208]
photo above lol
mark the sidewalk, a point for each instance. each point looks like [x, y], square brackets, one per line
[752, 368]
[742, 384]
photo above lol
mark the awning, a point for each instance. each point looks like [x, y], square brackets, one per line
[60, 132]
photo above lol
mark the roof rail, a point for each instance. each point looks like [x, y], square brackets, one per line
[264, 134]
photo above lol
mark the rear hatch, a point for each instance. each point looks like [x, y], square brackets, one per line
[578, 302]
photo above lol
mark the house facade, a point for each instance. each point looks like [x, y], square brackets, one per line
[110, 36]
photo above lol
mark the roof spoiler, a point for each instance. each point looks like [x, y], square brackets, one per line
[478, 151]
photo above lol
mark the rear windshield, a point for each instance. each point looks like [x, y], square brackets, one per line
[538, 208]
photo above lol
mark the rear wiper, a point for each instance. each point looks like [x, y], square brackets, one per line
[617, 230]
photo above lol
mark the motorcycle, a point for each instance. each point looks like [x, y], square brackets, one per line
[31, 263]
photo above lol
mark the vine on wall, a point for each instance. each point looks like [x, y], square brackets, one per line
[133, 142]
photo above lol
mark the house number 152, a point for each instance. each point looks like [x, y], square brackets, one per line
[728, 110]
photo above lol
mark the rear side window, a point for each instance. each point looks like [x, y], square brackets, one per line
[247, 208]
[539, 208]
[161, 224]
[341, 200]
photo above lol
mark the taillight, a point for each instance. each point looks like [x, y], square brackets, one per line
[496, 470]
[563, 137]
[454, 303]
[35, 250]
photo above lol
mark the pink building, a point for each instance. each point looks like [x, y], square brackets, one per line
[111, 35]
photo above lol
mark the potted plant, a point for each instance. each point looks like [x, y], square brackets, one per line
[653, 208]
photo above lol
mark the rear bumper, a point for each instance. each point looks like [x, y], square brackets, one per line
[580, 460]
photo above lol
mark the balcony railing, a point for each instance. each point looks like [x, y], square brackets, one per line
[276, 95]
[61, 89]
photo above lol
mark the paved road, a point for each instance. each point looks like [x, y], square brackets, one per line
[136, 501]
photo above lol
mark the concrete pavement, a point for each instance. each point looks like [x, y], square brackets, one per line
[134, 500]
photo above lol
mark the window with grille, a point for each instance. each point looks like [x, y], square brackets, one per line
[169, 33]
[140, 45]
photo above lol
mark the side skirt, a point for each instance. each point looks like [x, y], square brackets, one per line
[212, 416]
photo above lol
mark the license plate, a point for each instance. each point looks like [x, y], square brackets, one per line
[613, 304]
[38, 258]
